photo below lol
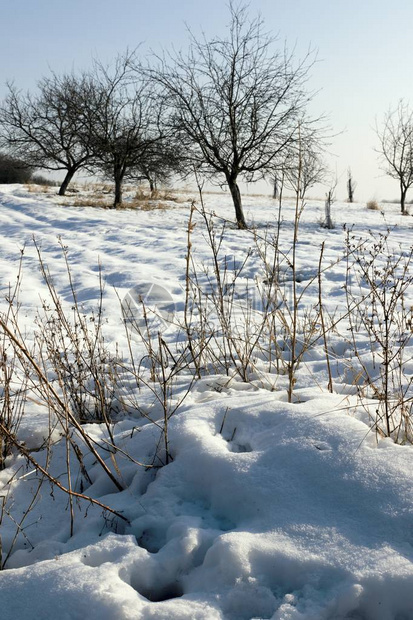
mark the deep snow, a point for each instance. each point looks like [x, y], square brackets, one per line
[267, 509]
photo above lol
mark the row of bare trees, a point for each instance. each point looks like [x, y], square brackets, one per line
[104, 121]
[228, 108]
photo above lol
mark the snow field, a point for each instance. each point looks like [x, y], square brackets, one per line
[267, 509]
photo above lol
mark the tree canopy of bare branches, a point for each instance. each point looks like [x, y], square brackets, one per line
[45, 130]
[396, 147]
[234, 102]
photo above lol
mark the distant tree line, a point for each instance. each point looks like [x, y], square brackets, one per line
[228, 109]
[13, 170]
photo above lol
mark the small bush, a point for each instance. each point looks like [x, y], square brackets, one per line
[373, 205]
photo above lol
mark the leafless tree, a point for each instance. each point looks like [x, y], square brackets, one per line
[234, 101]
[302, 171]
[351, 186]
[125, 116]
[45, 129]
[330, 198]
[160, 164]
[396, 147]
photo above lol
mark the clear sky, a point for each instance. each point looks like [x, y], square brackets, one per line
[365, 51]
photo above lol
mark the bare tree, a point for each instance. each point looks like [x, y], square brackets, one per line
[234, 102]
[351, 186]
[125, 119]
[330, 198]
[160, 164]
[45, 130]
[275, 186]
[302, 171]
[396, 147]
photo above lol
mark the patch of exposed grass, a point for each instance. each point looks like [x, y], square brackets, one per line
[34, 188]
[91, 201]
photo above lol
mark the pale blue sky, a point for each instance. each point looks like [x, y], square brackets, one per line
[365, 49]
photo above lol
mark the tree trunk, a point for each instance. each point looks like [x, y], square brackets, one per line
[118, 191]
[350, 190]
[403, 192]
[69, 176]
[275, 189]
[236, 198]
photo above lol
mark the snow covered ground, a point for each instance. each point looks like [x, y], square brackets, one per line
[264, 508]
